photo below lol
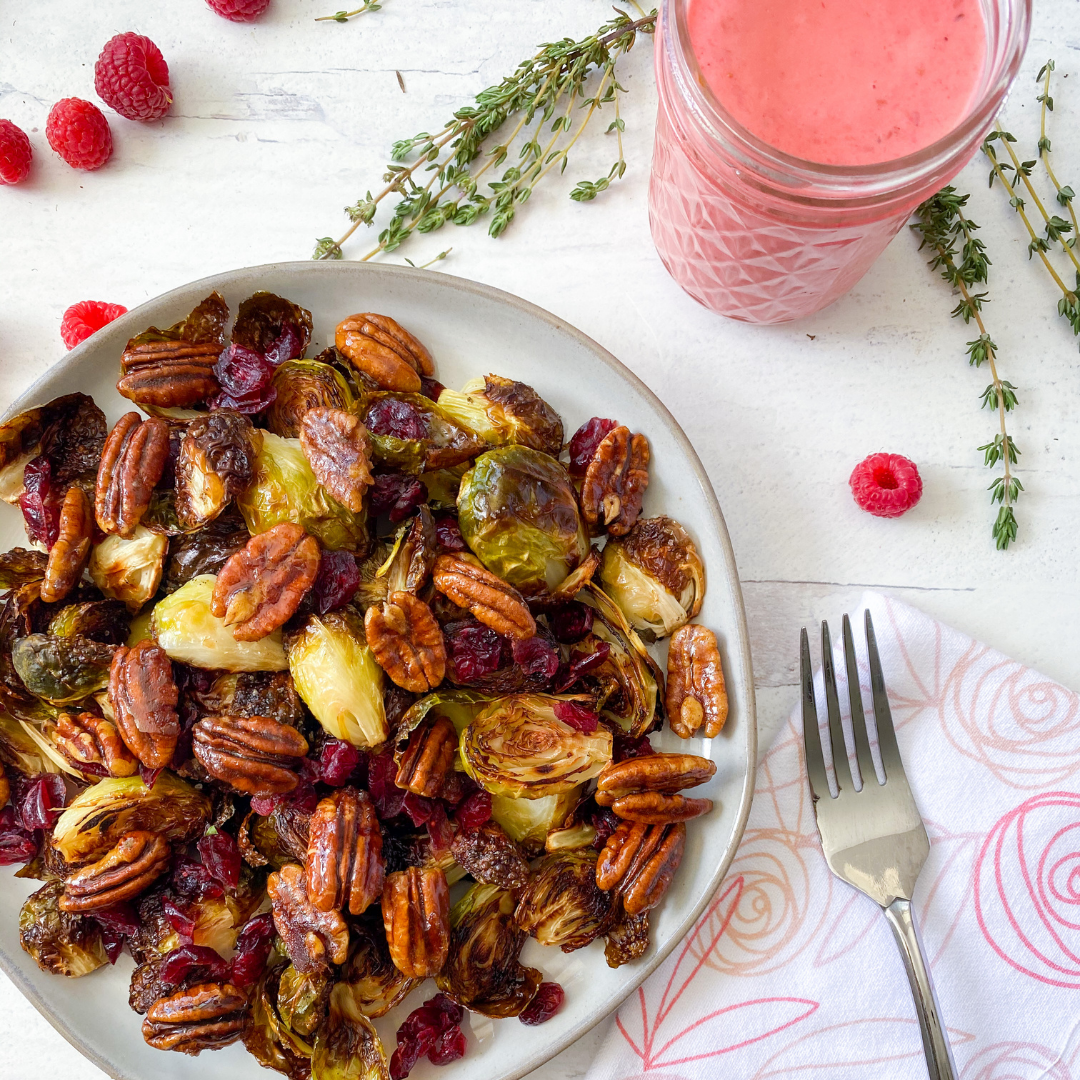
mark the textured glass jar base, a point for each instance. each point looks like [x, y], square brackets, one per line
[740, 262]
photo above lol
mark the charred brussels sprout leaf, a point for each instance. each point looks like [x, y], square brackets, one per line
[285, 489]
[410, 432]
[269, 1039]
[503, 411]
[529, 821]
[272, 326]
[26, 748]
[483, 971]
[518, 747]
[302, 1000]
[21, 567]
[129, 570]
[204, 551]
[561, 904]
[205, 323]
[16, 622]
[373, 982]
[62, 669]
[216, 464]
[102, 620]
[347, 1046]
[302, 385]
[518, 512]
[58, 942]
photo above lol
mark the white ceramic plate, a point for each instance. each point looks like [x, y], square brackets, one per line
[471, 330]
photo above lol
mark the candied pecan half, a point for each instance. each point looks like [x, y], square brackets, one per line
[338, 449]
[428, 758]
[344, 864]
[203, 1017]
[416, 915]
[696, 696]
[71, 551]
[640, 860]
[136, 862]
[656, 808]
[252, 754]
[407, 642]
[169, 374]
[487, 596]
[260, 586]
[132, 463]
[384, 351]
[666, 773]
[615, 481]
[143, 697]
[89, 740]
[490, 856]
[313, 939]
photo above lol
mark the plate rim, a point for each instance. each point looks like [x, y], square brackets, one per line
[741, 631]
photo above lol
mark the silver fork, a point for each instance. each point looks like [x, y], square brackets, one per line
[873, 838]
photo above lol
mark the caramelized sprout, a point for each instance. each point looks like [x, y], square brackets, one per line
[373, 982]
[434, 439]
[216, 464]
[269, 1039]
[62, 669]
[561, 904]
[129, 570]
[503, 411]
[529, 821]
[59, 943]
[102, 620]
[347, 1046]
[301, 385]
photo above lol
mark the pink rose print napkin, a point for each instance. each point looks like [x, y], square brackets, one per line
[791, 973]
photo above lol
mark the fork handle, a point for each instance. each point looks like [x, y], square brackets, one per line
[939, 1059]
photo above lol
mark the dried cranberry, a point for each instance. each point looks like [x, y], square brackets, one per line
[303, 797]
[626, 746]
[336, 582]
[440, 831]
[448, 534]
[428, 1030]
[253, 945]
[385, 794]
[472, 651]
[544, 1006]
[16, 844]
[221, 857]
[449, 1046]
[396, 495]
[396, 418]
[338, 760]
[38, 800]
[121, 919]
[570, 622]
[457, 787]
[112, 943]
[408, 1052]
[474, 811]
[605, 823]
[578, 716]
[582, 664]
[179, 918]
[193, 881]
[198, 962]
[245, 377]
[418, 807]
[584, 442]
[536, 656]
[288, 346]
[148, 776]
[40, 502]
[450, 1012]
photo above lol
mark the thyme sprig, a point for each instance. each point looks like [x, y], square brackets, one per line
[551, 97]
[345, 16]
[1065, 194]
[944, 226]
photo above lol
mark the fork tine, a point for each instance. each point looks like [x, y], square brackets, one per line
[890, 752]
[815, 763]
[832, 704]
[858, 718]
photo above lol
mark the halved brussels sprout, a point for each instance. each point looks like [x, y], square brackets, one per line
[17, 619]
[458, 706]
[285, 489]
[517, 746]
[272, 326]
[217, 463]
[503, 411]
[561, 904]
[185, 627]
[529, 821]
[347, 1046]
[20, 749]
[21, 567]
[440, 442]
[302, 1000]
[518, 512]
[373, 982]
[44, 738]
[102, 620]
[219, 919]
[62, 670]
[570, 838]
[97, 818]
[336, 674]
[59, 943]
[269, 1039]
[443, 486]
[303, 385]
[655, 575]
[413, 554]
[483, 971]
[129, 570]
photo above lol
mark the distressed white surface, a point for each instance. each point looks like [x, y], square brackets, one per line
[277, 125]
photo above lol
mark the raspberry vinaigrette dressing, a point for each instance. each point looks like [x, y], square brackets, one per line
[794, 137]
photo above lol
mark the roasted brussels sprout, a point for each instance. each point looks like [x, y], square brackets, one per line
[217, 463]
[301, 385]
[25, 747]
[347, 1046]
[503, 411]
[59, 942]
[269, 1039]
[102, 620]
[336, 674]
[21, 567]
[302, 1000]
[95, 820]
[483, 971]
[561, 904]
[62, 669]
[17, 618]
[518, 746]
[204, 551]
[410, 432]
[285, 489]
[655, 575]
[374, 983]
[529, 821]
[518, 512]
[272, 326]
[185, 627]
[413, 555]
[129, 570]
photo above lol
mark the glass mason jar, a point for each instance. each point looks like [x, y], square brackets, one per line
[759, 235]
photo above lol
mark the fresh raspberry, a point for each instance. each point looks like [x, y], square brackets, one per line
[886, 485]
[132, 77]
[15, 153]
[86, 318]
[78, 131]
[239, 10]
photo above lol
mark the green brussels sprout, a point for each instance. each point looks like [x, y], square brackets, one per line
[217, 463]
[206, 550]
[129, 570]
[268, 1038]
[503, 411]
[17, 619]
[62, 670]
[336, 674]
[529, 821]
[59, 942]
[518, 512]
[373, 982]
[347, 1046]
[655, 575]
[443, 485]
[303, 385]
[483, 971]
[302, 1000]
[517, 746]
[185, 627]
[219, 919]
[21, 567]
[102, 620]
[27, 748]
[96, 819]
[561, 904]
[285, 489]
[280, 838]
[445, 442]
[413, 554]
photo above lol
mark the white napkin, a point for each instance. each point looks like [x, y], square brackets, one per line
[791, 973]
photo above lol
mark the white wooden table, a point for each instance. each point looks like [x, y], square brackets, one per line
[278, 125]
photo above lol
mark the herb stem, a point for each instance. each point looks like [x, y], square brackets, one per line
[1065, 198]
